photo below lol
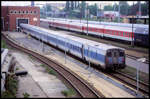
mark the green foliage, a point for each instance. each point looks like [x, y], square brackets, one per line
[83, 7]
[26, 95]
[93, 9]
[124, 7]
[11, 88]
[3, 44]
[69, 92]
[7, 94]
[17, 68]
[42, 65]
[31, 56]
[108, 8]
[51, 71]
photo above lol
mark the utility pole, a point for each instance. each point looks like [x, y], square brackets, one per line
[46, 10]
[137, 73]
[87, 18]
[89, 55]
[139, 9]
[132, 42]
[119, 13]
[65, 52]
[80, 13]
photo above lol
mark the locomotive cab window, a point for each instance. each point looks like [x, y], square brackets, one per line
[121, 54]
[115, 54]
[109, 54]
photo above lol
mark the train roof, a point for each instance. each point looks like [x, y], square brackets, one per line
[103, 23]
[77, 39]
[137, 28]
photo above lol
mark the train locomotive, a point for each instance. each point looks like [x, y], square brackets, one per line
[105, 56]
[120, 31]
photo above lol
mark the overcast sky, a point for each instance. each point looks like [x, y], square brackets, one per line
[25, 3]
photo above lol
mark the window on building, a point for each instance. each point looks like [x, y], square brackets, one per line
[26, 12]
[34, 12]
[31, 12]
[19, 12]
[11, 11]
[15, 12]
[23, 12]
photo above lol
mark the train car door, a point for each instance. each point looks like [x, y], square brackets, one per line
[82, 51]
[115, 56]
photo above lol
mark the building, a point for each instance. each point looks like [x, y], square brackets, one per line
[12, 16]
[110, 14]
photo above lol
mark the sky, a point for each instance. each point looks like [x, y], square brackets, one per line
[41, 3]
[24, 3]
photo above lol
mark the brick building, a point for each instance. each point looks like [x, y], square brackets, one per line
[12, 16]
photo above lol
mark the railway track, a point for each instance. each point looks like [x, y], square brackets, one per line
[132, 82]
[124, 78]
[135, 58]
[83, 88]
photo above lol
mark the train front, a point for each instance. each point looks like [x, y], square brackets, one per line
[115, 59]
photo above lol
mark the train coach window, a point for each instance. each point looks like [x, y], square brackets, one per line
[121, 54]
[109, 54]
[115, 54]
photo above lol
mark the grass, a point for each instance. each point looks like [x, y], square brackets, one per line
[132, 71]
[69, 92]
[3, 44]
[49, 70]
[42, 65]
[11, 88]
[26, 95]
[17, 68]
[31, 56]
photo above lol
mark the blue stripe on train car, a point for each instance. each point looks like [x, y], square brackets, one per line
[120, 59]
[94, 55]
[110, 60]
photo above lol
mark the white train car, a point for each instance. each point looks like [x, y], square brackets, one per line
[103, 55]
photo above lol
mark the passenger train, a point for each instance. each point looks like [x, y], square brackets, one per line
[102, 23]
[138, 34]
[105, 56]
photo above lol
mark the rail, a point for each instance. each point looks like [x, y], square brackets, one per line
[81, 86]
[127, 79]
[135, 58]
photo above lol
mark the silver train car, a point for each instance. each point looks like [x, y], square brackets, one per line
[105, 56]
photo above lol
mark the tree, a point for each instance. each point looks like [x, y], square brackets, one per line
[83, 6]
[47, 8]
[144, 8]
[72, 5]
[108, 8]
[67, 5]
[124, 6]
[93, 9]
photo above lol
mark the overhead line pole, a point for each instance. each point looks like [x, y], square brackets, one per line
[87, 18]
[132, 42]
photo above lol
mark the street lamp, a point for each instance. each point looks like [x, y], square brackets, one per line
[137, 72]
[65, 52]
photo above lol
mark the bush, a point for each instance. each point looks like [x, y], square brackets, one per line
[69, 92]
